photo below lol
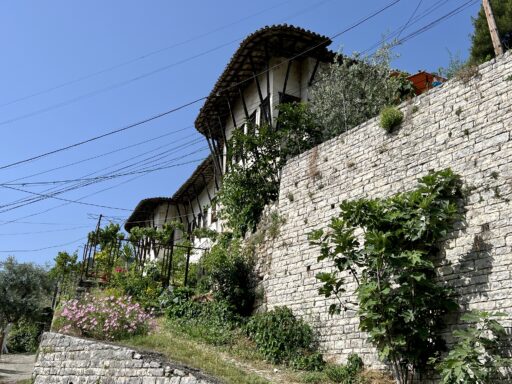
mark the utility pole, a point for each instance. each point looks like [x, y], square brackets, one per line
[493, 29]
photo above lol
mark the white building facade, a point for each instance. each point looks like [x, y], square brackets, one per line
[274, 65]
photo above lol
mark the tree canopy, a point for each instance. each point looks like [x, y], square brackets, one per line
[481, 47]
[25, 289]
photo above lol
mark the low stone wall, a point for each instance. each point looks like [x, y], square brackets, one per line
[72, 360]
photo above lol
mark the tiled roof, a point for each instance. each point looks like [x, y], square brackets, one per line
[272, 41]
[145, 209]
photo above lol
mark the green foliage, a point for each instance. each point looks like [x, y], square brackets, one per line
[24, 337]
[103, 317]
[455, 65]
[257, 158]
[355, 90]
[253, 181]
[160, 235]
[144, 287]
[298, 129]
[481, 47]
[213, 321]
[400, 303]
[25, 290]
[65, 272]
[348, 373]
[308, 361]
[228, 272]
[282, 338]
[478, 355]
[390, 118]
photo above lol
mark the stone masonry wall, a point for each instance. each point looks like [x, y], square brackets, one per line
[70, 360]
[464, 125]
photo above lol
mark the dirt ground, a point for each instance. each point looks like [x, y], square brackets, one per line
[14, 368]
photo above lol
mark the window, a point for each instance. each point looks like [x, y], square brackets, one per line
[285, 98]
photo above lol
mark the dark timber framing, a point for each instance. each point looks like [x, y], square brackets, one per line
[255, 76]
[246, 111]
[288, 67]
[312, 77]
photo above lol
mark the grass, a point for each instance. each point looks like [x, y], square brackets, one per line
[237, 362]
[184, 349]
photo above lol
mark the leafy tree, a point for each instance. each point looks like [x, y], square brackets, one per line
[65, 272]
[256, 159]
[400, 304]
[228, 271]
[253, 179]
[353, 90]
[482, 48]
[25, 289]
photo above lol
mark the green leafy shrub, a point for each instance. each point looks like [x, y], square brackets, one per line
[228, 272]
[313, 361]
[401, 306]
[282, 338]
[104, 317]
[390, 118]
[348, 373]
[314, 377]
[24, 337]
[478, 357]
[144, 287]
[213, 322]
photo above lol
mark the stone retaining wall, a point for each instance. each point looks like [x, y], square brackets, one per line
[70, 360]
[465, 125]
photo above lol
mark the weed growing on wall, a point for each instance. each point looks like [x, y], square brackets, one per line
[400, 304]
[390, 118]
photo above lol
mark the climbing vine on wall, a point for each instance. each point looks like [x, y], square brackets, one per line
[388, 245]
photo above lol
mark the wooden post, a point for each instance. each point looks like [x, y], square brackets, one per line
[187, 264]
[493, 29]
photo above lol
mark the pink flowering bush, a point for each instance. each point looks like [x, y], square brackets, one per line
[104, 317]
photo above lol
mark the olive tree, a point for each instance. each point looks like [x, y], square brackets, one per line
[25, 289]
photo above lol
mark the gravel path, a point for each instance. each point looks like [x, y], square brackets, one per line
[15, 367]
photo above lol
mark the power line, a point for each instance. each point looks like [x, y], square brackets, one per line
[125, 82]
[438, 20]
[101, 155]
[157, 116]
[43, 196]
[142, 57]
[410, 18]
[110, 133]
[48, 231]
[147, 160]
[115, 85]
[44, 248]
[426, 27]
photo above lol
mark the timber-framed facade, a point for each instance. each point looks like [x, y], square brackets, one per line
[275, 64]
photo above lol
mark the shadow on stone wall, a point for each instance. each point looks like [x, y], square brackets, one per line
[475, 268]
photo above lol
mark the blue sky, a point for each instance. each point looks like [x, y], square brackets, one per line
[47, 47]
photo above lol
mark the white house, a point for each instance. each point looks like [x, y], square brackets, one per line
[273, 65]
